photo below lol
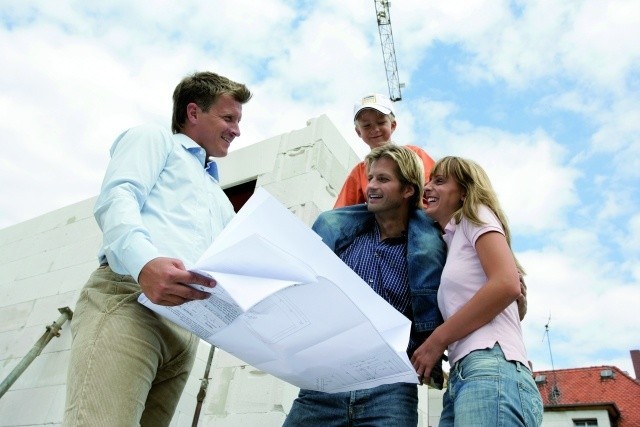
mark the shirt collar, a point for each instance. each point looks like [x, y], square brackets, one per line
[191, 146]
[212, 168]
[391, 240]
[449, 230]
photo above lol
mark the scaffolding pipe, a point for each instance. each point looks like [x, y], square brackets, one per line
[52, 331]
[383, 15]
[204, 384]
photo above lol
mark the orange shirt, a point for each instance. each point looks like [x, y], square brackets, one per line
[355, 186]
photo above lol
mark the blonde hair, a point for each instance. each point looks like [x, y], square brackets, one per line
[477, 190]
[409, 168]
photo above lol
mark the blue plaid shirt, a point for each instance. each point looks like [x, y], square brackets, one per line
[383, 265]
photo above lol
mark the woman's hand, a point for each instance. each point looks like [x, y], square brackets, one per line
[428, 355]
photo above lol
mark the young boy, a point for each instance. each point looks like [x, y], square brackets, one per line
[374, 122]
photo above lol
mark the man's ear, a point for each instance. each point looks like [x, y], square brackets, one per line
[358, 132]
[192, 112]
[409, 191]
[393, 125]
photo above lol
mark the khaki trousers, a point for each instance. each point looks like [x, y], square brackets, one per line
[128, 366]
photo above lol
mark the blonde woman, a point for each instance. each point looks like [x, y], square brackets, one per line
[490, 383]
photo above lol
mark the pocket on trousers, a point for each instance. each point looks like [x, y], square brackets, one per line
[531, 403]
[105, 290]
[115, 302]
[478, 365]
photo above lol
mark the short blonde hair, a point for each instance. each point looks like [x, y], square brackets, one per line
[409, 168]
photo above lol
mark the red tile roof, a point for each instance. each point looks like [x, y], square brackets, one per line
[584, 387]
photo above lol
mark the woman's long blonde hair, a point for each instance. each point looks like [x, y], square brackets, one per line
[478, 190]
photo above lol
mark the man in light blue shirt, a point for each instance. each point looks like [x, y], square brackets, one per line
[159, 208]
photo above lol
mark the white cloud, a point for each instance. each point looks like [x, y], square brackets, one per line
[77, 74]
[603, 33]
[529, 172]
[590, 304]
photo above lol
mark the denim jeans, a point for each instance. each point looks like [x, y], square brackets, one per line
[485, 389]
[390, 405]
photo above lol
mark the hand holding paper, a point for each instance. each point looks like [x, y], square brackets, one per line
[286, 304]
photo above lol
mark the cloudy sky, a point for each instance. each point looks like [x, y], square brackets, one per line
[544, 94]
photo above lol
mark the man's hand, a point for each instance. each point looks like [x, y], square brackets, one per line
[522, 299]
[165, 282]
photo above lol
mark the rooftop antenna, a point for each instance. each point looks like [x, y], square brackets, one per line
[388, 50]
[554, 394]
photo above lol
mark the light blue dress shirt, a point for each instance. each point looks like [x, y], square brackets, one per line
[158, 200]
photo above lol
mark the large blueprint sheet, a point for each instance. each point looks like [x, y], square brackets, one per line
[286, 304]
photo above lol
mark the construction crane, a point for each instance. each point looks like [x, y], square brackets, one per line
[388, 51]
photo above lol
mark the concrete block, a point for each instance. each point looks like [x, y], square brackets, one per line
[218, 391]
[192, 387]
[252, 390]
[269, 419]
[15, 233]
[298, 161]
[61, 343]
[8, 346]
[74, 278]
[48, 369]
[332, 170]
[289, 394]
[29, 266]
[19, 342]
[203, 351]
[49, 240]
[222, 359]
[296, 141]
[307, 213]
[434, 409]
[45, 310]
[301, 189]
[64, 216]
[184, 411]
[7, 366]
[30, 407]
[32, 288]
[11, 251]
[55, 404]
[183, 418]
[15, 345]
[234, 168]
[323, 129]
[15, 316]
[76, 253]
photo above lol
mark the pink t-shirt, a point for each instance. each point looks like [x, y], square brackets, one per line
[462, 277]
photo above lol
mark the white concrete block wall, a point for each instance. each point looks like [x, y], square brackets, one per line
[45, 261]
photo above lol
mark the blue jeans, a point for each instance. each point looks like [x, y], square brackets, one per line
[485, 389]
[390, 405]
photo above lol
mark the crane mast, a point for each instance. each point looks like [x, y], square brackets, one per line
[388, 50]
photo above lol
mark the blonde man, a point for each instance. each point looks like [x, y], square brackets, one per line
[395, 248]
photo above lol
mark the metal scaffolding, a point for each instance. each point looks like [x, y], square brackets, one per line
[51, 331]
[388, 50]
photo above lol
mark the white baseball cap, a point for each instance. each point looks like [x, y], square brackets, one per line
[376, 101]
